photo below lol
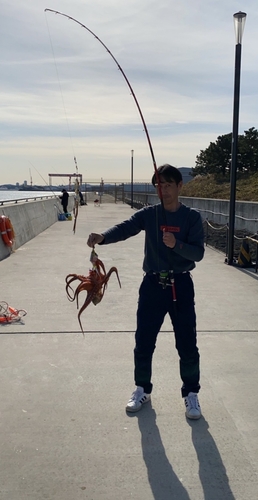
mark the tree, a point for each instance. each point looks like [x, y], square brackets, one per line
[216, 159]
[248, 151]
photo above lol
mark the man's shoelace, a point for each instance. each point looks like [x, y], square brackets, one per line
[137, 394]
[193, 402]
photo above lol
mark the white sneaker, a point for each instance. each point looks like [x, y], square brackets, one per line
[193, 409]
[137, 399]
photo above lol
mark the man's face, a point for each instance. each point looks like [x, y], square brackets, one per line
[169, 189]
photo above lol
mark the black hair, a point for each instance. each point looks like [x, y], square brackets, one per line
[169, 173]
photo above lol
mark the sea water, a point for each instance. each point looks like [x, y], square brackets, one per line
[10, 195]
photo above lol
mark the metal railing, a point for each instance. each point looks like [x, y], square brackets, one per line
[240, 236]
[26, 199]
[144, 199]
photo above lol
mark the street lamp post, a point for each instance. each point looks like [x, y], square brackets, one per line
[239, 21]
[132, 178]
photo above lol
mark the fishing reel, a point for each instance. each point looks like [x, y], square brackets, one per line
[166, 278]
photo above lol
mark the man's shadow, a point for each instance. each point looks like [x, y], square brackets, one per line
[212, 471]
[164, 482]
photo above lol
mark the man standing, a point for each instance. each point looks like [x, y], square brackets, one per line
[173, 243]
[64, 200]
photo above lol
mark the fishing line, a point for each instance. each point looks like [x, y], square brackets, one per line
[48, 185]
[64, 181]
[59, 83]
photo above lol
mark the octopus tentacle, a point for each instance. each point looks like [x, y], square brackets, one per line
[70, 279]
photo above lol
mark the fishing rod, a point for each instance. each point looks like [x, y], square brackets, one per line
[76, 198]
[143, 122]
[129, 85]
[57, 197]
[53, 192]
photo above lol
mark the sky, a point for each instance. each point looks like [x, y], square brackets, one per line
[63, 96]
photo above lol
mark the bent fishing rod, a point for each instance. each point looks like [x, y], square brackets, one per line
[142, 119]
[130, 87]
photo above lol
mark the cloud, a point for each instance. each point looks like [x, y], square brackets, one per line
[62, 94]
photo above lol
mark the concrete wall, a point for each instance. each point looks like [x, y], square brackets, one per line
[218, 211]
[213, 210]
[30, 219]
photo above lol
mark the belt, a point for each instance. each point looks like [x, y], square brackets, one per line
[165, 273]
[167, 278]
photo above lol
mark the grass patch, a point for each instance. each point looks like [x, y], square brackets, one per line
[210, 186]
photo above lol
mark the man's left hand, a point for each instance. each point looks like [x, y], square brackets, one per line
[169, 239]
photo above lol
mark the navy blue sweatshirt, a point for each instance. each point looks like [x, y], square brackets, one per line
[185, 223]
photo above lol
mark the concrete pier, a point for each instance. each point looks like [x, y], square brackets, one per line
[65, 434]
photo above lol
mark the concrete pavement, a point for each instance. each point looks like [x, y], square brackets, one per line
[64, 431]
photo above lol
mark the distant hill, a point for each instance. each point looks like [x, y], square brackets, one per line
[8, 186]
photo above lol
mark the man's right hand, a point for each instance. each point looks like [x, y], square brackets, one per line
[94, 239]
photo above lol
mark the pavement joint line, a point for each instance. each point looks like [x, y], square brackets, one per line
[90, 332]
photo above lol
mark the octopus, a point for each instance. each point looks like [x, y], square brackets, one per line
[94, 284]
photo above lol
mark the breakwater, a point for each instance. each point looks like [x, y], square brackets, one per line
[32, 218]
[29, 219]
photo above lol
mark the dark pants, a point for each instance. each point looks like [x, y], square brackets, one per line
[154, 303]
[65, 209]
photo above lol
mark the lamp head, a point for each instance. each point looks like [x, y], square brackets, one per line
[239, 21]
